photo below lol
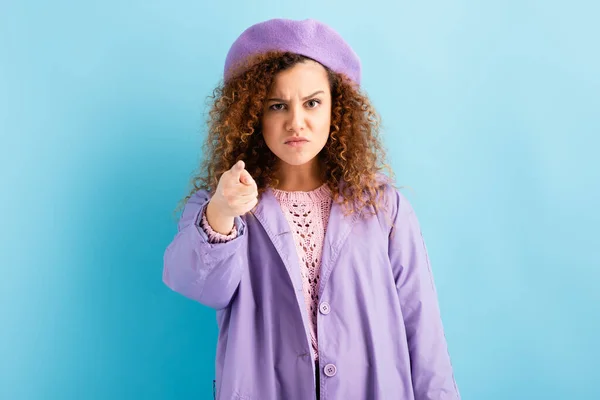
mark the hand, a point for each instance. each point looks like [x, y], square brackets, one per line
[236, 194]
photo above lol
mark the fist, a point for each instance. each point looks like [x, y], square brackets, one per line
[236, 192]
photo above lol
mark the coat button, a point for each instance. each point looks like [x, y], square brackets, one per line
[330, 370]
[324, 308]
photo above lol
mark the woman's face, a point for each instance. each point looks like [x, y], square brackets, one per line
[297, 114]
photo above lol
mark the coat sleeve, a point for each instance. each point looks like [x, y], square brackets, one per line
[206, 272]
[431, 369]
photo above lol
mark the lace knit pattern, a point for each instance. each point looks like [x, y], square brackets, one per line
[308, 214]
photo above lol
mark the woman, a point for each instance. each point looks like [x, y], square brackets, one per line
[313, 261]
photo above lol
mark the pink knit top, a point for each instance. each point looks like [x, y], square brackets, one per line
[307, 214]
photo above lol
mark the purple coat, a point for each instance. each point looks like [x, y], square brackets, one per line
[379, 329]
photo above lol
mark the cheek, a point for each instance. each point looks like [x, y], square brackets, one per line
[268, 129]
[323, 124]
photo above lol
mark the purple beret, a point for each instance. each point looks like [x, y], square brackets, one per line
[308, 37]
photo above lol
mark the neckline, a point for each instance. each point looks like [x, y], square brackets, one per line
[321, 193]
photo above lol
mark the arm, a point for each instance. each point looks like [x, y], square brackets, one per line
[198, 269]
[432, 374]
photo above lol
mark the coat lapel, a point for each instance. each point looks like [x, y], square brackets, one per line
[268, 212]
[338, 229]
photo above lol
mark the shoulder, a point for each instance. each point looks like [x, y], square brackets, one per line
[199, 197]
[393, 201]
[193, 205]
[394, 210]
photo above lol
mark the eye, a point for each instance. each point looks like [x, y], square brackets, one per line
[313, 103]
[277, 107]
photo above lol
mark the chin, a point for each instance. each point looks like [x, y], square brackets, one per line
[297, 161]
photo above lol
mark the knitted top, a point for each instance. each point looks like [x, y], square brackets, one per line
[307, 214]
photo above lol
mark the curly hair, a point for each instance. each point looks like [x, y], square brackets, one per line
[353, 156]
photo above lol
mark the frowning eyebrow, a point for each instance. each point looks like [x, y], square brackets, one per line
[303, 99]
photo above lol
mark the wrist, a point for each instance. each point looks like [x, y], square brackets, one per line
[219, 223]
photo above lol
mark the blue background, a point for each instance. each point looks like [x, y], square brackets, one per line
[491, 114]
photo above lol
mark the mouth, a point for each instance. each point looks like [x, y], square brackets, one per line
[297, 141]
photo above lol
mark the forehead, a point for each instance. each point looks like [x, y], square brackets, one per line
[305, 76]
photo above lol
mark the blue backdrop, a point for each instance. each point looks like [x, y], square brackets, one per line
[491, 113]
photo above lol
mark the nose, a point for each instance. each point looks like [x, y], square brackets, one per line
[295, 121]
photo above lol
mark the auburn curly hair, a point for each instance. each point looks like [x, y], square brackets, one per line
[354, 157]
